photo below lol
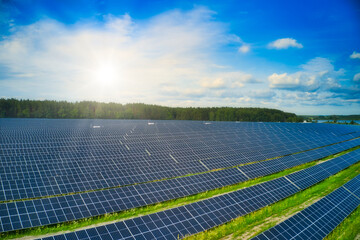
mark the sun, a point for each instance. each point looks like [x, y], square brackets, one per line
[106, 74]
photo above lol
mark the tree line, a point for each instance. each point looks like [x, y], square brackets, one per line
[14, 108]
[337, 117]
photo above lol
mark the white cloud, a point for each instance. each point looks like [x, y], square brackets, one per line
[219, 66]
[282, 80]
[239, 77]
[171, 59]
[122, 60]
[213, 83]
[285, 43]
[244, 48]
[237, 84]
[121, 25]
[355, 55]
[317, 73]
[316, 89]
[228, 80]
[356, 77]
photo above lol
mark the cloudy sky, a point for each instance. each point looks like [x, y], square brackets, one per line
[297, 56]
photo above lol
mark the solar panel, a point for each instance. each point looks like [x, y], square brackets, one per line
[114, 200]
[309, 176]
[353, 186]
[205, 214]
[45, 186]
[41, 158]
[191, 218]
[319, 219]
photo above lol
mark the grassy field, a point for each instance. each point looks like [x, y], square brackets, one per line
[234, 228]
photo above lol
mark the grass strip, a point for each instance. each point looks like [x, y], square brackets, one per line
[135, 212]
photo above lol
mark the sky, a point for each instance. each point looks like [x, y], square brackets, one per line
[297, 56]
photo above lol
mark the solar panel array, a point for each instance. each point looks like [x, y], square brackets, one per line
[199, 216]
[43, 158]
[78, 206]
[319, 219]
[51, 160]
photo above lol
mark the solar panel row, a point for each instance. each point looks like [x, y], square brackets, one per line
[116, 142]
[141, 140]
[267, 167]
[181, 141]
[29, 188]
[120, 152]
[203, 215]
[43, 155]
[113, 200]
[30, 171]
[319, 219]
[142, 126]
[61, 184]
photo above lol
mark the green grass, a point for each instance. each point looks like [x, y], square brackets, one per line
[269, 216]
[74, 225]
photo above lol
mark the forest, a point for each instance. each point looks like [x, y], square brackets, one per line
[15, 108]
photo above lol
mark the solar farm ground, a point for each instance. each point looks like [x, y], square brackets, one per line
[137, 179]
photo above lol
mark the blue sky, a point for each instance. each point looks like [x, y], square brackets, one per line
[297, 56]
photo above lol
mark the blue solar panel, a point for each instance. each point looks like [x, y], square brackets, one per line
[108, 201]
[192, 218]
[101, 202]
[354, 186]
[319, 219]
[205, 214]
[308, 177]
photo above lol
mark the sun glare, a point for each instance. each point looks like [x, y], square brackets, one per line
[106, 74]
